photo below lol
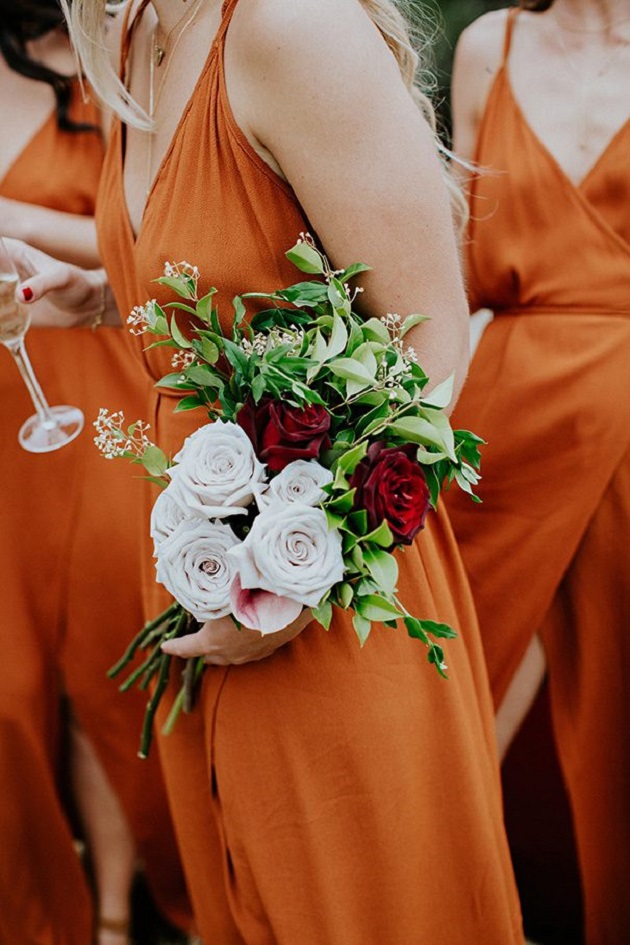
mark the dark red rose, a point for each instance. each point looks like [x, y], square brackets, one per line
[282, 433]
[391, 487]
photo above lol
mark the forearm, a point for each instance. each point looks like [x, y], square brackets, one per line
[66, 236]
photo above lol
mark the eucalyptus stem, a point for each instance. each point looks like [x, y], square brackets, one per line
[140, 639]
[192, 674]
[154, 701]
[140, 670]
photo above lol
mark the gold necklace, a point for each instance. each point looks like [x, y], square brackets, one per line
[583, 83]
[159, 49]
[587, 31]
[154, 98]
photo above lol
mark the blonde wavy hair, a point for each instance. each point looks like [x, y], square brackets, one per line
[87, 26]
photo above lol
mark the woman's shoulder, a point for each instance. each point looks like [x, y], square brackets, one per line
[480, 46]
[286, 30]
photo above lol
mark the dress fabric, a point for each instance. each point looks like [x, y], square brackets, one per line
[549, 391]
[69, 572]
[328, 793]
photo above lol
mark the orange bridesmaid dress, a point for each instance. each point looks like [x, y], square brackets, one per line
[327, 794]
[68, 597]
[549, 389]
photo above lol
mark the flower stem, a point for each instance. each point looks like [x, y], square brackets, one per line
[154, 701]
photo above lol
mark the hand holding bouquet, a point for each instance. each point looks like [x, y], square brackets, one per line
[323, 455]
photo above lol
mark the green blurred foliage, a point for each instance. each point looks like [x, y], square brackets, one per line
[446, 19]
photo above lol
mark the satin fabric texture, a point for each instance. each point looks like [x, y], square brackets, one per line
[549, 390]
[69, 586]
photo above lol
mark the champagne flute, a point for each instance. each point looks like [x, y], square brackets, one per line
[49, 428]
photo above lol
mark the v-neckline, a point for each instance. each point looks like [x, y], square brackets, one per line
[134, 235]
[577, 189]
[30, 143]
[603, 154]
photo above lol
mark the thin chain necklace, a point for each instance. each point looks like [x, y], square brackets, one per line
[568, 57]
[586, 30]
[154, 96]
[159, 49]
[584, 82]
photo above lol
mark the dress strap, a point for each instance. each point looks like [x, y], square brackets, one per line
[509, 31]
[227, 11]
[128, 29]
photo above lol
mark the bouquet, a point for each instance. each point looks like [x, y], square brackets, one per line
[323, 454]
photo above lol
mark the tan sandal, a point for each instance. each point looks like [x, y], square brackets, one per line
[115, 926]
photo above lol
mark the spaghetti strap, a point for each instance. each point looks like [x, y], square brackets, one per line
[509, 30]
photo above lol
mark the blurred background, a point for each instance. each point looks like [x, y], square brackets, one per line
[444, 20]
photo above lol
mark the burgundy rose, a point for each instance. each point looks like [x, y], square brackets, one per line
[391, 487]
[282, 433]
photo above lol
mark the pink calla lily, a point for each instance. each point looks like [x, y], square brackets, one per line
[262, 610]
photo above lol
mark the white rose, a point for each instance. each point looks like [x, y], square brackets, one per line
[217, 473]
[299, 481]
[194, 566]
[166, 515]
[291, 552]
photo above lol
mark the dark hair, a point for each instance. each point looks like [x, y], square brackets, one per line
[25, 20]
[536, 5]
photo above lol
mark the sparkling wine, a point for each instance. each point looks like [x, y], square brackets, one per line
[50, 427]
[14, 318]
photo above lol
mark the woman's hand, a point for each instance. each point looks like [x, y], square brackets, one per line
[221, 643]
[59, 294]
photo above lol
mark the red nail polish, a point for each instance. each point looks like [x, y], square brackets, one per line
[27, 294]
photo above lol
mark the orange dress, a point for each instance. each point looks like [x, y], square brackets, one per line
[328, 793]
[69, 597]
[549, 390]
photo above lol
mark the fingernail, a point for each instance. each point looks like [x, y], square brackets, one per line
[27, 293]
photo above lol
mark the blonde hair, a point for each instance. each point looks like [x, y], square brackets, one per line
[87, 26]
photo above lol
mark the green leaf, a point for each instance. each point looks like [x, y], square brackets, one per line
[341, 504]
[351, 370]
[209, 350]
[174, 381]
[338, 339]
[353, 270]
[436, 656]
[154, 461]
[179, 286]
[383, 567]
[307, 294]
[376, 608]
[345, 593]
[434, 432]
[338, 298]
[375, 330]
[204, 306]
[323, 613]
[306, 258]
[438, 630]
[178, 337]
[351, 459]
[202, 376]
[441, 395]
[415, 629]
[381, 536]
[362, 627]
[237, 358]
[182, 307]
[411, 321]
[189, 403]
[357, 521]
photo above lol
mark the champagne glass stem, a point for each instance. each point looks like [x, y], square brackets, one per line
[18, 350]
